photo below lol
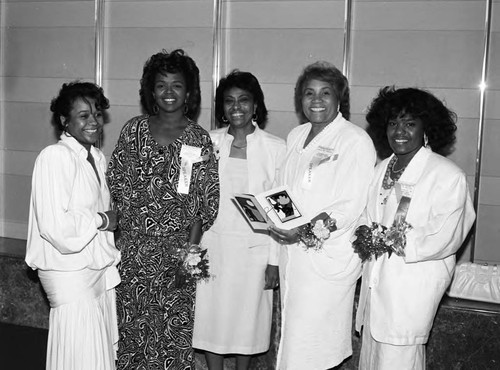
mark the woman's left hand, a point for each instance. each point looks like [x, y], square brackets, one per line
[284, 236]
[272, 279]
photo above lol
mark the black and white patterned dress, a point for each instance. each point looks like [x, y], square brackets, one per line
[155, 317]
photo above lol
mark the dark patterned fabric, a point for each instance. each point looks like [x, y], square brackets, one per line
[155, 318]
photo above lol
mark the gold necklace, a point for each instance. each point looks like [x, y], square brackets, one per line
[239, 147]
[394, 165]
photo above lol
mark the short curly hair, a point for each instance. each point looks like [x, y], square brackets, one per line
[245, 81]
[327, 72]
[438, 121]
[175, 62]
[62, 104]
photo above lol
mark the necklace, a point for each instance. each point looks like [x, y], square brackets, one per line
[239, 147]
[394, 164]
[389, 181]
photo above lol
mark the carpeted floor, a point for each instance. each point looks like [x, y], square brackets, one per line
[22, 347]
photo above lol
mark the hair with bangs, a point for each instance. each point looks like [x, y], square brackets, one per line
[438, 121]
[326, 72]
[175, 62]
[244, 81]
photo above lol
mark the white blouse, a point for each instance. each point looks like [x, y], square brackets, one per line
[65, 198]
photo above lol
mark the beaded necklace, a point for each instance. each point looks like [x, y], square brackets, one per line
[388, 181]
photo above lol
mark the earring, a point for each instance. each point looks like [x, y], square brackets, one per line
[426, 140]
[224, 119]
[186, 108]
[156, 109]
[254, 119]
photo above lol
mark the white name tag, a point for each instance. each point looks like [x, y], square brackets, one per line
[189, 155]
[190, 152]
[321, 156]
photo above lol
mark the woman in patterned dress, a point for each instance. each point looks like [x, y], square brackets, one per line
[164, 184]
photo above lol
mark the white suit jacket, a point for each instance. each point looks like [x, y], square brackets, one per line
[265, 153]
[405, 292]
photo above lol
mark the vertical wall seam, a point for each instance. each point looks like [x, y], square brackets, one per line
[482, 104]
[99, 34]
[346, 57]
[216, 55]
[98, 47]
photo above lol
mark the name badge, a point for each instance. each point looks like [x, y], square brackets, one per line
[404, 192]
[189, 156]
[322, 155]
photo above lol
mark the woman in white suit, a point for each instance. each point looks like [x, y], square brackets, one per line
[400, 293]
[328, 167]
[234, 309]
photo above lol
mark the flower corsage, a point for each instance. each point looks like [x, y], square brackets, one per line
[376, 239]
[193, 265]
[314, 234]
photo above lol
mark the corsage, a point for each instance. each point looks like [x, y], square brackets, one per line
[376, 239]
[193, 265]
[314, 234]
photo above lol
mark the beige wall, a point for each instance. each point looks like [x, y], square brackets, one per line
[433, 44]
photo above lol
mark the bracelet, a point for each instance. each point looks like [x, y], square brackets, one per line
[193, 246]
[105, 220]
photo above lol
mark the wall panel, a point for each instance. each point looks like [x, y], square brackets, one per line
[135, 30]
[433, 44]
[488, 226]
[44, 43]
[488, 233]
[275, 40]
[437, 45]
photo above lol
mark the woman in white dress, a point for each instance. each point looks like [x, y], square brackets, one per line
[70, 238]
[415, 183]
[328, 167]
[234, 308]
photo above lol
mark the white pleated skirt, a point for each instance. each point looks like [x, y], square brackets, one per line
[83, 330]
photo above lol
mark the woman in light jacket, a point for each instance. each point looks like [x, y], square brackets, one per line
[400, 294]
[70, 237]
[233, 309]
[328, 168]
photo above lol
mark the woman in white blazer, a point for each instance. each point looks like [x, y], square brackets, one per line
[234, 308]
[328, 168]
[400, 294]
[70, 234]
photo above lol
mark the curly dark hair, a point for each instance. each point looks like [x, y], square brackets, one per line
[175, 62]
[327, 72]
[61, 105]
[245, 81]
[438, 121]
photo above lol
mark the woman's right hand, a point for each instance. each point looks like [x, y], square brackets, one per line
[283, 236]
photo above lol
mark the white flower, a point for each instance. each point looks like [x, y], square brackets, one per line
[192, 259]
[320, 231]
[216, 151]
